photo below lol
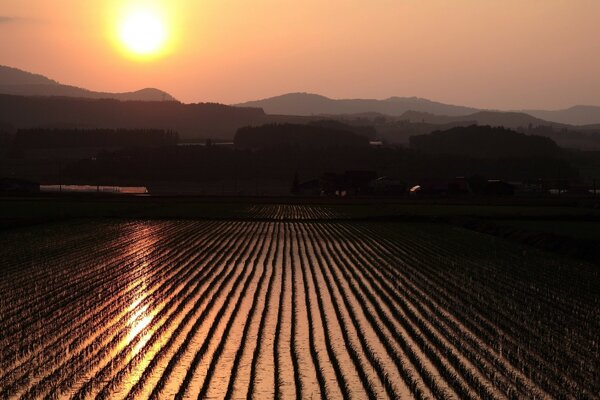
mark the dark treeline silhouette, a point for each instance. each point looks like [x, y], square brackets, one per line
[363, 130]
[203, 120]
[400, 129]
[212, 163]
[198, 122]
[313, 135]
[485, 142]
[79, 138]
[582, 139]
[6, 137]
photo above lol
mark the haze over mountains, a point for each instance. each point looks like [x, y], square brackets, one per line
[576, 115]
[313, 104]
[21, 83]
[493, 118]
[33, 101]
[307, 104]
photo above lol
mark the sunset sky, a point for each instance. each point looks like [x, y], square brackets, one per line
[506, 54]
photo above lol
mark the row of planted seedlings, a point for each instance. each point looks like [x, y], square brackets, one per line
[532, 362]
[294, 350]
[54, 342]
[252, 315]
[528, 271]
[487, 327]
[101, 348]
[41, 266]
[225, 336]
[82, 330]
[415, 332]
[159, 297]
[196, 276]
[277, 341]
[569, 321]
[407, 363]
[345, 311]
[243, 279]
[260, 337]
[521, 336]
[336, 289]
[167, 327]
[308, 269]
[74, 274]
[324, 389]
[415, 375]
[480, 355]
[424, 265]
[476, 356]
[54, 242]
[456, 350]
[222, 270]
[373, 389]
[66, 313]
[290, 212]
[536, 274]
[27, 297]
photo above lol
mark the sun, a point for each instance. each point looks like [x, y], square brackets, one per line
[143, 33]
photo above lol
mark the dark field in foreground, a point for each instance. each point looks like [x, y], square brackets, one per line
[308, 309]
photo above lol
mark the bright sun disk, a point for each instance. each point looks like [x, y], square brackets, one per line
[143, 33]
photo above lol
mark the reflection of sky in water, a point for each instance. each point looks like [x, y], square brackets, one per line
[94, 188]
[142, 315]
[138, 322]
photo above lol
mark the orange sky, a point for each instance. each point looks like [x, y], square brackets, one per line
[506, 54]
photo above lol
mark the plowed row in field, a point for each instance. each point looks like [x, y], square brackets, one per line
[239, 309]
[290, 212]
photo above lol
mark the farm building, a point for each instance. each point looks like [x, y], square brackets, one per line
[442, 187]
[347, 184]
[386, 186]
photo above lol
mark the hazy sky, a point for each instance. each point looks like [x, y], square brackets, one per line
[506, 54]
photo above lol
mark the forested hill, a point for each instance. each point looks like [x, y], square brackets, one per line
[485, 142]
[315, 136]
[202, 120]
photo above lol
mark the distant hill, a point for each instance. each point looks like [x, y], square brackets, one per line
[577, 115]
[21, 83]
[313, 104]
[306, 104]
[485, 142]
[191, 121]
[493, 118]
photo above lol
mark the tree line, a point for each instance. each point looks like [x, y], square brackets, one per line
[78, 138]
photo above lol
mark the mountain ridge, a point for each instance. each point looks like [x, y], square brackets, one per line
[575, 115]
[311, 104]
[14, 81]
[508, 119]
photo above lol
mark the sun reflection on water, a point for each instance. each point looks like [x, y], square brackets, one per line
[139, 323]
